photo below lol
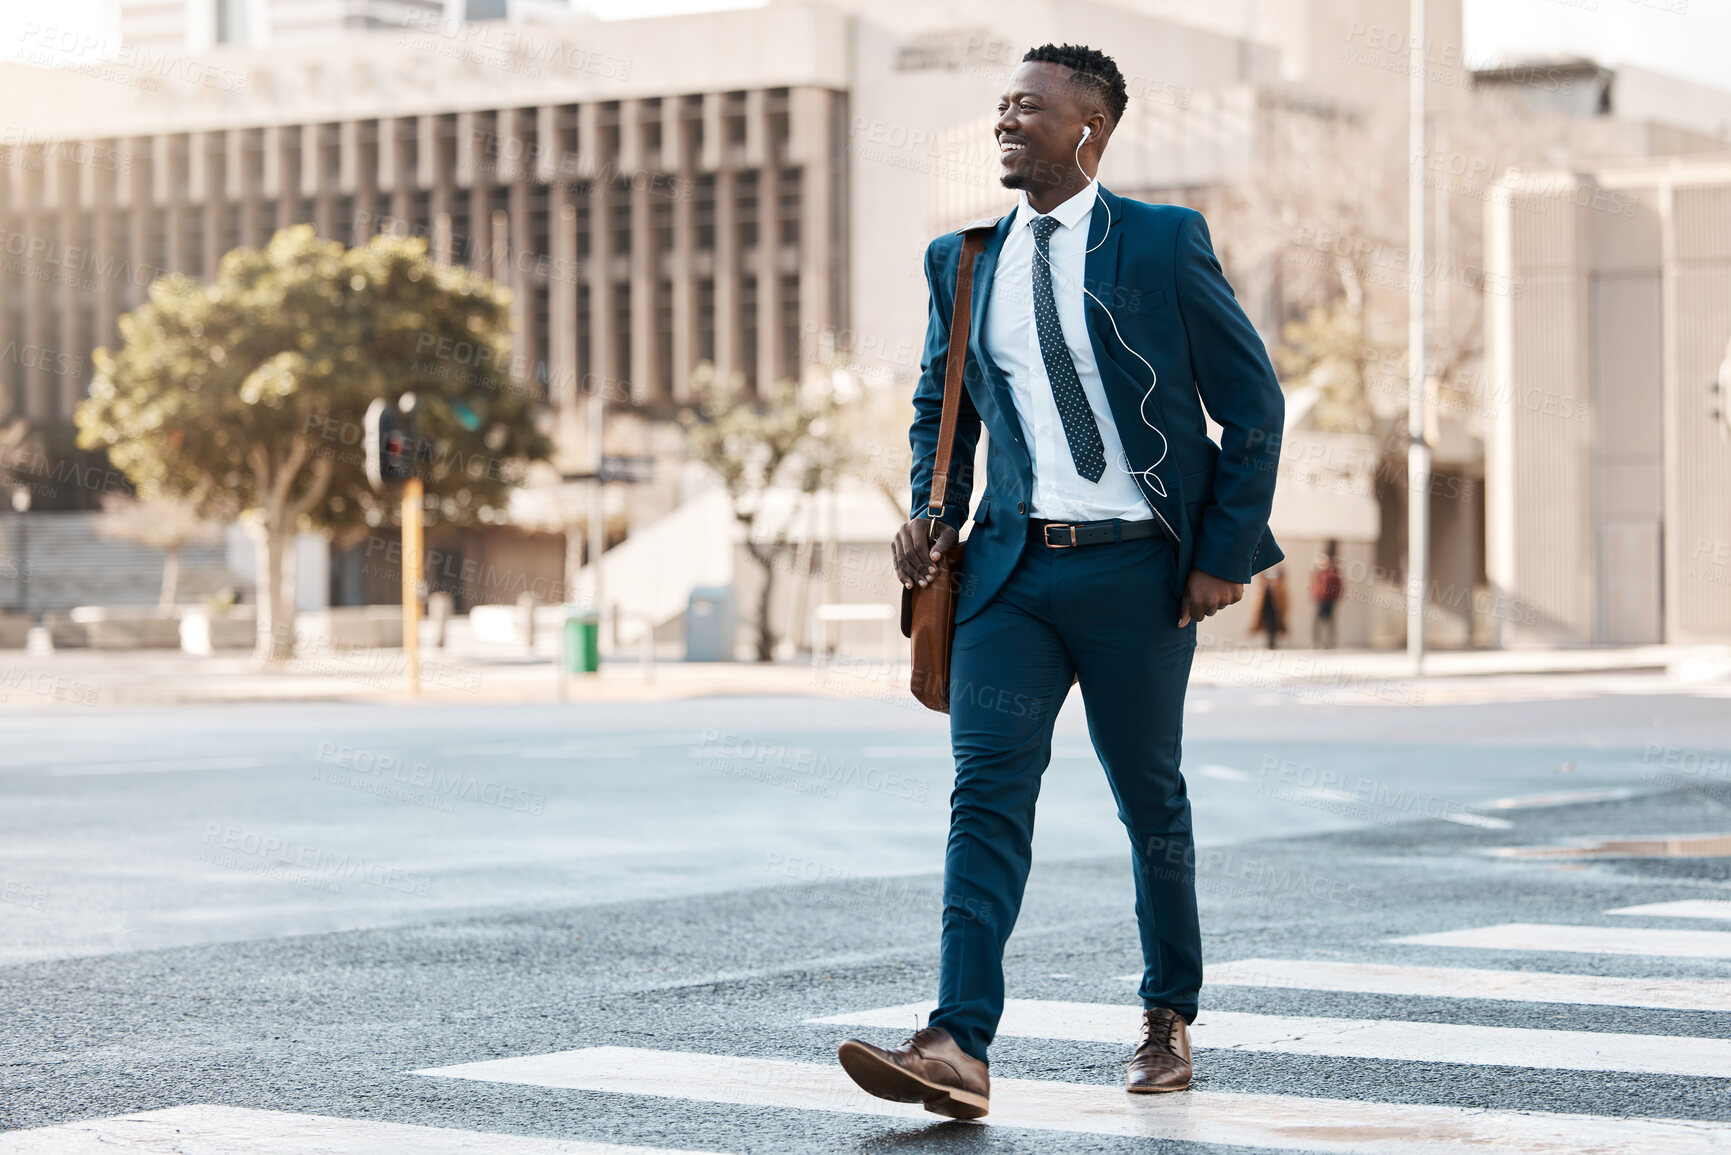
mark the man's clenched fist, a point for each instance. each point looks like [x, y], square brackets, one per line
[1205, 595]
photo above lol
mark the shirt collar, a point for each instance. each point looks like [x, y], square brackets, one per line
[1068, 214]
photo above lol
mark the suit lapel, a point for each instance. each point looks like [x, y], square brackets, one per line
[985, 266]
[1100, 268]
[1135, 407]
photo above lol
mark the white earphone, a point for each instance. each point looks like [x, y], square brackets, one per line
[1147, 474]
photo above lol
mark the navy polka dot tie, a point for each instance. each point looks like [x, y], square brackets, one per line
[1086, 449]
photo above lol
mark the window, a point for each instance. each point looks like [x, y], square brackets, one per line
[745, 209]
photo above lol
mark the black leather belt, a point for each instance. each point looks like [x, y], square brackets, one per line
[1066, 534]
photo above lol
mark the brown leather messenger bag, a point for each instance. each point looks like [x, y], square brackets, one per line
[929, 611]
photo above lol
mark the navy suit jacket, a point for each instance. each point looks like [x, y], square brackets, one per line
[1157, 271]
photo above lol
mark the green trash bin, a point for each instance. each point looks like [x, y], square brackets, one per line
[582, 643]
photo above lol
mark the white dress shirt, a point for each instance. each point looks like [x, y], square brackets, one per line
[1060, 493]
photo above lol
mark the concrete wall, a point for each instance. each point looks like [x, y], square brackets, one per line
[1609, 463]
[1539, 547]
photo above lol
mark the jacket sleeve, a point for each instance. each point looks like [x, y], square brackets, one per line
[929, 408]
[1241, 392]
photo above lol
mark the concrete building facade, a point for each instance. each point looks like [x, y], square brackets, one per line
[1608, 463]
[638, 236]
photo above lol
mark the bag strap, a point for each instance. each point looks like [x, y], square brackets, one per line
[961, 317]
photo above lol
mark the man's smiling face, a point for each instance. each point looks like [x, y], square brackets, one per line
[1040, 121]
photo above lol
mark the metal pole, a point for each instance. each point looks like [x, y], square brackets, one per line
[1418, 453]
[597, 507]
[412, 583]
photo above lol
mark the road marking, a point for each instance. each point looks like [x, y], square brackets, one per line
[1692, 846]
[1465, 983]
[1468, 818]
[1582, 940]
[547, 741]
[1326, 794]
[1223, 773]
[1564, 798]
[161, 767]
[1686, 908]
[1350, 1127]
[1389, 1039]
[204, 1129]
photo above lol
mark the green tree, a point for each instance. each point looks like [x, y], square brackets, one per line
[251, 391]
[1328, 348]
[791, 439]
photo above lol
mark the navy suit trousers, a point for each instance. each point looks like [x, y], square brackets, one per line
[1106, 616]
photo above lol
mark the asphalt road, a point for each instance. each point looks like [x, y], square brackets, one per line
[297, 908]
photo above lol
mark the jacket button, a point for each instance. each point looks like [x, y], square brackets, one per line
[1021, 508]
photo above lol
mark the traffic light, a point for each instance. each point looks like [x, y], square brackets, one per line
[391, 442]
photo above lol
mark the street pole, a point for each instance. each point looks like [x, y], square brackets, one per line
[1418, 453]
[412, 582]
[597, 507]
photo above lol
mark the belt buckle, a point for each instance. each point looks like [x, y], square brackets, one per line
[1047, 534]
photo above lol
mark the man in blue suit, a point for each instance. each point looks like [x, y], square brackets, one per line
[1102, 332]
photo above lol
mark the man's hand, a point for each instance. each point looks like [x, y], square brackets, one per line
[916, 552]
[1204, 595]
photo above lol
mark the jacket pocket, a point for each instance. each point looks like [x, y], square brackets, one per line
[983, 512]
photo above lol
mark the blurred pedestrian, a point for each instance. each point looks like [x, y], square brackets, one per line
[1269, 616]
[1325, 590]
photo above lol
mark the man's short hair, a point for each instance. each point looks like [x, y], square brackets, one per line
[1091, 69]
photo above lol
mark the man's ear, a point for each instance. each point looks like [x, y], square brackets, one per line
[1099, 129]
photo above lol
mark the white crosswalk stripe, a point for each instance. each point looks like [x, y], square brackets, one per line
[210, 1130]
[1533, 936]
[1225, 1118]
[1350, 1127]
[1388, 1039]
[1686, 908]
[1469, 983]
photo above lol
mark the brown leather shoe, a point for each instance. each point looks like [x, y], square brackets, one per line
[929, 1068]
[1162, 1061]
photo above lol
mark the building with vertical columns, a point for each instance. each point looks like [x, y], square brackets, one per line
[643, 225]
